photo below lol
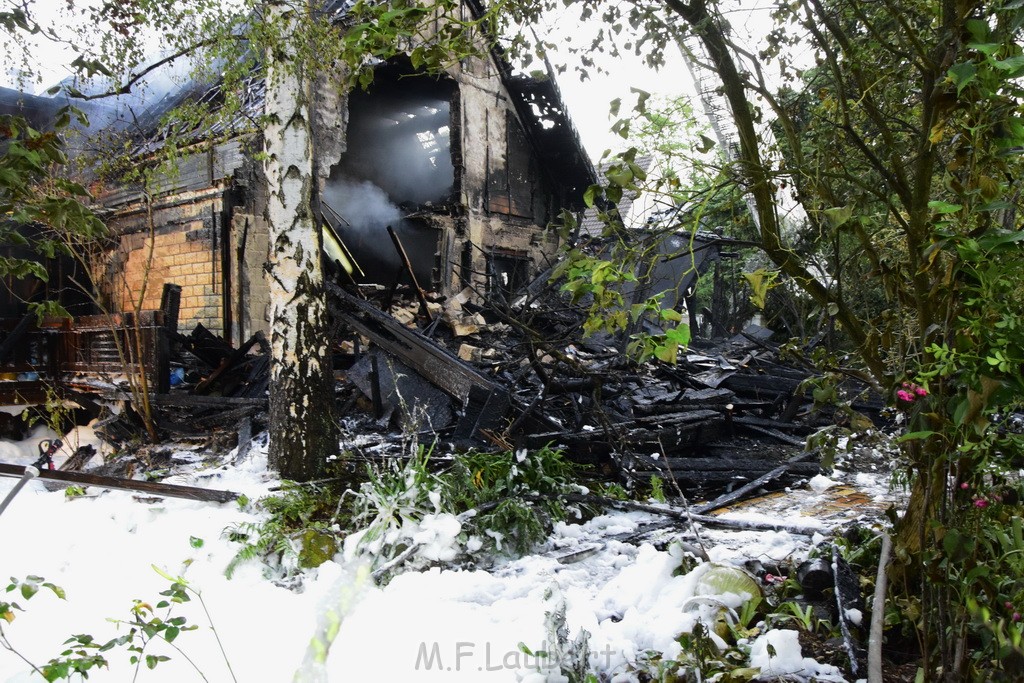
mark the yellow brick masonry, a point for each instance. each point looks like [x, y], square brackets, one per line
[190, 263]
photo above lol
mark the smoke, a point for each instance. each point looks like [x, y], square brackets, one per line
[362, 204]
[368, 211]
[398, 159]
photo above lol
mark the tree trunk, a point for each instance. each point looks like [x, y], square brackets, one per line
[303, 433]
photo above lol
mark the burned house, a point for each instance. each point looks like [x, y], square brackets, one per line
[467, 167]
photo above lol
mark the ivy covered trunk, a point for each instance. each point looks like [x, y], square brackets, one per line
[303, 433]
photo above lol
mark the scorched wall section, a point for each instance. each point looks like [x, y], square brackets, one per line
[182, 247]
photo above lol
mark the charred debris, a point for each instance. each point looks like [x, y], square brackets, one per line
[515, 372]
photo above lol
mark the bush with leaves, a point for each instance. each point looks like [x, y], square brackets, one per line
[517, 494]
[504, 501]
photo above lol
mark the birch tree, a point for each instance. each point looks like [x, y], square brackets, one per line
[303, 430]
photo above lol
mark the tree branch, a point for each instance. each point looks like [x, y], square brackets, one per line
[134, 78]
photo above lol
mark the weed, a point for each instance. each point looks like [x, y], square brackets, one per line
[518, 494]
[84, 653]
[299, 531]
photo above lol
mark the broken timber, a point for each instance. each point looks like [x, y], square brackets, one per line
[151, 487]
[436, 364]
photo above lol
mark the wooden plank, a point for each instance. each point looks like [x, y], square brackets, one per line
[150, 487]
[743, 491]
[192, 401]
[436, 364]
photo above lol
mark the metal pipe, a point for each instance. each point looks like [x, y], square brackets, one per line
[30, 473]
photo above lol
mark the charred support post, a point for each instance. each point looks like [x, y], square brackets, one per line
[378, 408]
[170, 305]
[407, 264]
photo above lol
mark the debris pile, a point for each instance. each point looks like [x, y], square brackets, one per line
[486, 370]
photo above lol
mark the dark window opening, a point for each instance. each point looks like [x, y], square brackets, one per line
[512, 188]
[508, 273]
[398, 161]
[64, 283]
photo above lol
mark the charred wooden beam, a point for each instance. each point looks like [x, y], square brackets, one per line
[747, 489]
[436, 364]
[684, 429]
[150, 487]
[190, 401]
[780, 425]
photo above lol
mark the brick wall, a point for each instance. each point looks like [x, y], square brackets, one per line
[182, 252]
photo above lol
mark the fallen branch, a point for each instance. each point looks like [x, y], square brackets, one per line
[151, 487]
[878, 613]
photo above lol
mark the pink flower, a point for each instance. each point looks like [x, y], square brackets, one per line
[981, 503]
[1008, 605]
[965, 486]
[905, 396]
[920, 391]
[1016, 616]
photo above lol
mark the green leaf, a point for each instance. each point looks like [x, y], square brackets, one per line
[706, 144]
[671, 315]
[1013, 65]
[619, 175]
[164, 574]
[978, 30]
[153, 660]
[57, 590]
[962, 75]
[590, 195]
[641, 99]
[91, 67]
[680, 335]
[195, 542]
[838, 215]
[911, 436]
[667, 353]
[944, 207]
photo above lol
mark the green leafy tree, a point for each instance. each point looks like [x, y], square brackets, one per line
[907, 175]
